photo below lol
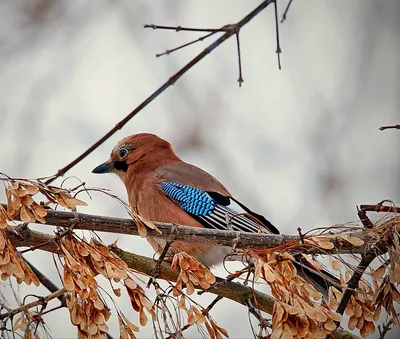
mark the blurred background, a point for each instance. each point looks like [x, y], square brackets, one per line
[300, 145]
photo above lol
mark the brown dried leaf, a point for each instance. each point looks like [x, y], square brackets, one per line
[189, 288]
[352, 240]
[149, 224]
[130, 283]
[130, 325]
[352, 323]
[268, 273]
[191, 316]
[141, 230]
[313, 263]
[182, 302]
[2, 242]
[68, 281]
[336, 264]
[71, 202]
[26, 215]
[21, 192]
[31, 188]
[210, 278]
[142, 318]
[323, 241]
[3, 222]
[27, 200]
[210, 330]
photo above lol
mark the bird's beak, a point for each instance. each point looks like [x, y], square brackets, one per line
[106, 167]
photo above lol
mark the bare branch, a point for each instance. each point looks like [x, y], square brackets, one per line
[389, 127]
[185, 233]
[40, 301]
[171, 81]
[223, 287]
[46, 282]
[284, 15]
[353, 283]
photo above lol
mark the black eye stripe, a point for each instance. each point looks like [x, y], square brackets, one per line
[121, 166]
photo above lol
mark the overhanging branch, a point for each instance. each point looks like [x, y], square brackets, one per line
[227, 289]
[239, 240]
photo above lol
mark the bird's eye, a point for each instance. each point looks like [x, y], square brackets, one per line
[122, 152]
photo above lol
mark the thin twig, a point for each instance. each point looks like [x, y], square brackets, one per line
[171, 81]
[389, 127]
[386, 327]
[240, 79]
[227, 289]
[46, 282]
[187, 29]
[379, 208]
[169, 51]
[353, 283]
[278, 46]
[284, 16]
[362, 214]
[41, 301]
[156, 272]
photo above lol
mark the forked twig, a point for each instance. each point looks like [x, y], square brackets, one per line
[171, 81]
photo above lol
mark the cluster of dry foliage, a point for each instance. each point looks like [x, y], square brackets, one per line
[300, 311]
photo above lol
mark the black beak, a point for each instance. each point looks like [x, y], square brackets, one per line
[104, 168]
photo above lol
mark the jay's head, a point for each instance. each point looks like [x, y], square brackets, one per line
[134, 150]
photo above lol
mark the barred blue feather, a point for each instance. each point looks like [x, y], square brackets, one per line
[192, 200]
[210, 208]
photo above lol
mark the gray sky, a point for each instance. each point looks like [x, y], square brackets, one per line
[300, 145]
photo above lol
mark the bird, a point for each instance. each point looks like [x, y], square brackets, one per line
[161, 187]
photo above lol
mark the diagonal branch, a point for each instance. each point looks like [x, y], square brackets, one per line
[41, 301]
[227, 289]
[171, 81]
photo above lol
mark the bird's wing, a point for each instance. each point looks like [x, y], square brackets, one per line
[205, 199]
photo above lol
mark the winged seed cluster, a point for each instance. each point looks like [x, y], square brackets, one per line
[11, 263]
[299, 310]
[192, 273]
[83, 261]
[20, 202]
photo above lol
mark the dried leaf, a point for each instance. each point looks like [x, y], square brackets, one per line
[142, 318]
[31, 188]
[352, 240]
[130, 283]
[336, 264]
[26, 215]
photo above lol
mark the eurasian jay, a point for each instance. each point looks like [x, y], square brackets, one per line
[161, 187]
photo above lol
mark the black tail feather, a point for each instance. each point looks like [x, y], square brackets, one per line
[259, 217]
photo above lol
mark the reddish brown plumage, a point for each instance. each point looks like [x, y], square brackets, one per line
[151, 160]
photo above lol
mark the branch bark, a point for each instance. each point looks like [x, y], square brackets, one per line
[227, 289]
[41, 301]
[173, 232]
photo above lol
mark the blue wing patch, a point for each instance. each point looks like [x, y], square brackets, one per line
[211, 212]
[192, 200]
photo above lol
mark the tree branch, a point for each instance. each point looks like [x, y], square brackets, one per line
[188, 234]
[171, 81]
[40, 301]
[227, 289]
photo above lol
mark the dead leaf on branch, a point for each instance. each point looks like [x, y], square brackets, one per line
[192, 273]
[142, 223]
[12, 264]
[20, 202]
[83, 261]
[298, 311]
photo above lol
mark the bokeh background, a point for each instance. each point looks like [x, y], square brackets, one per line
[300, 145]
